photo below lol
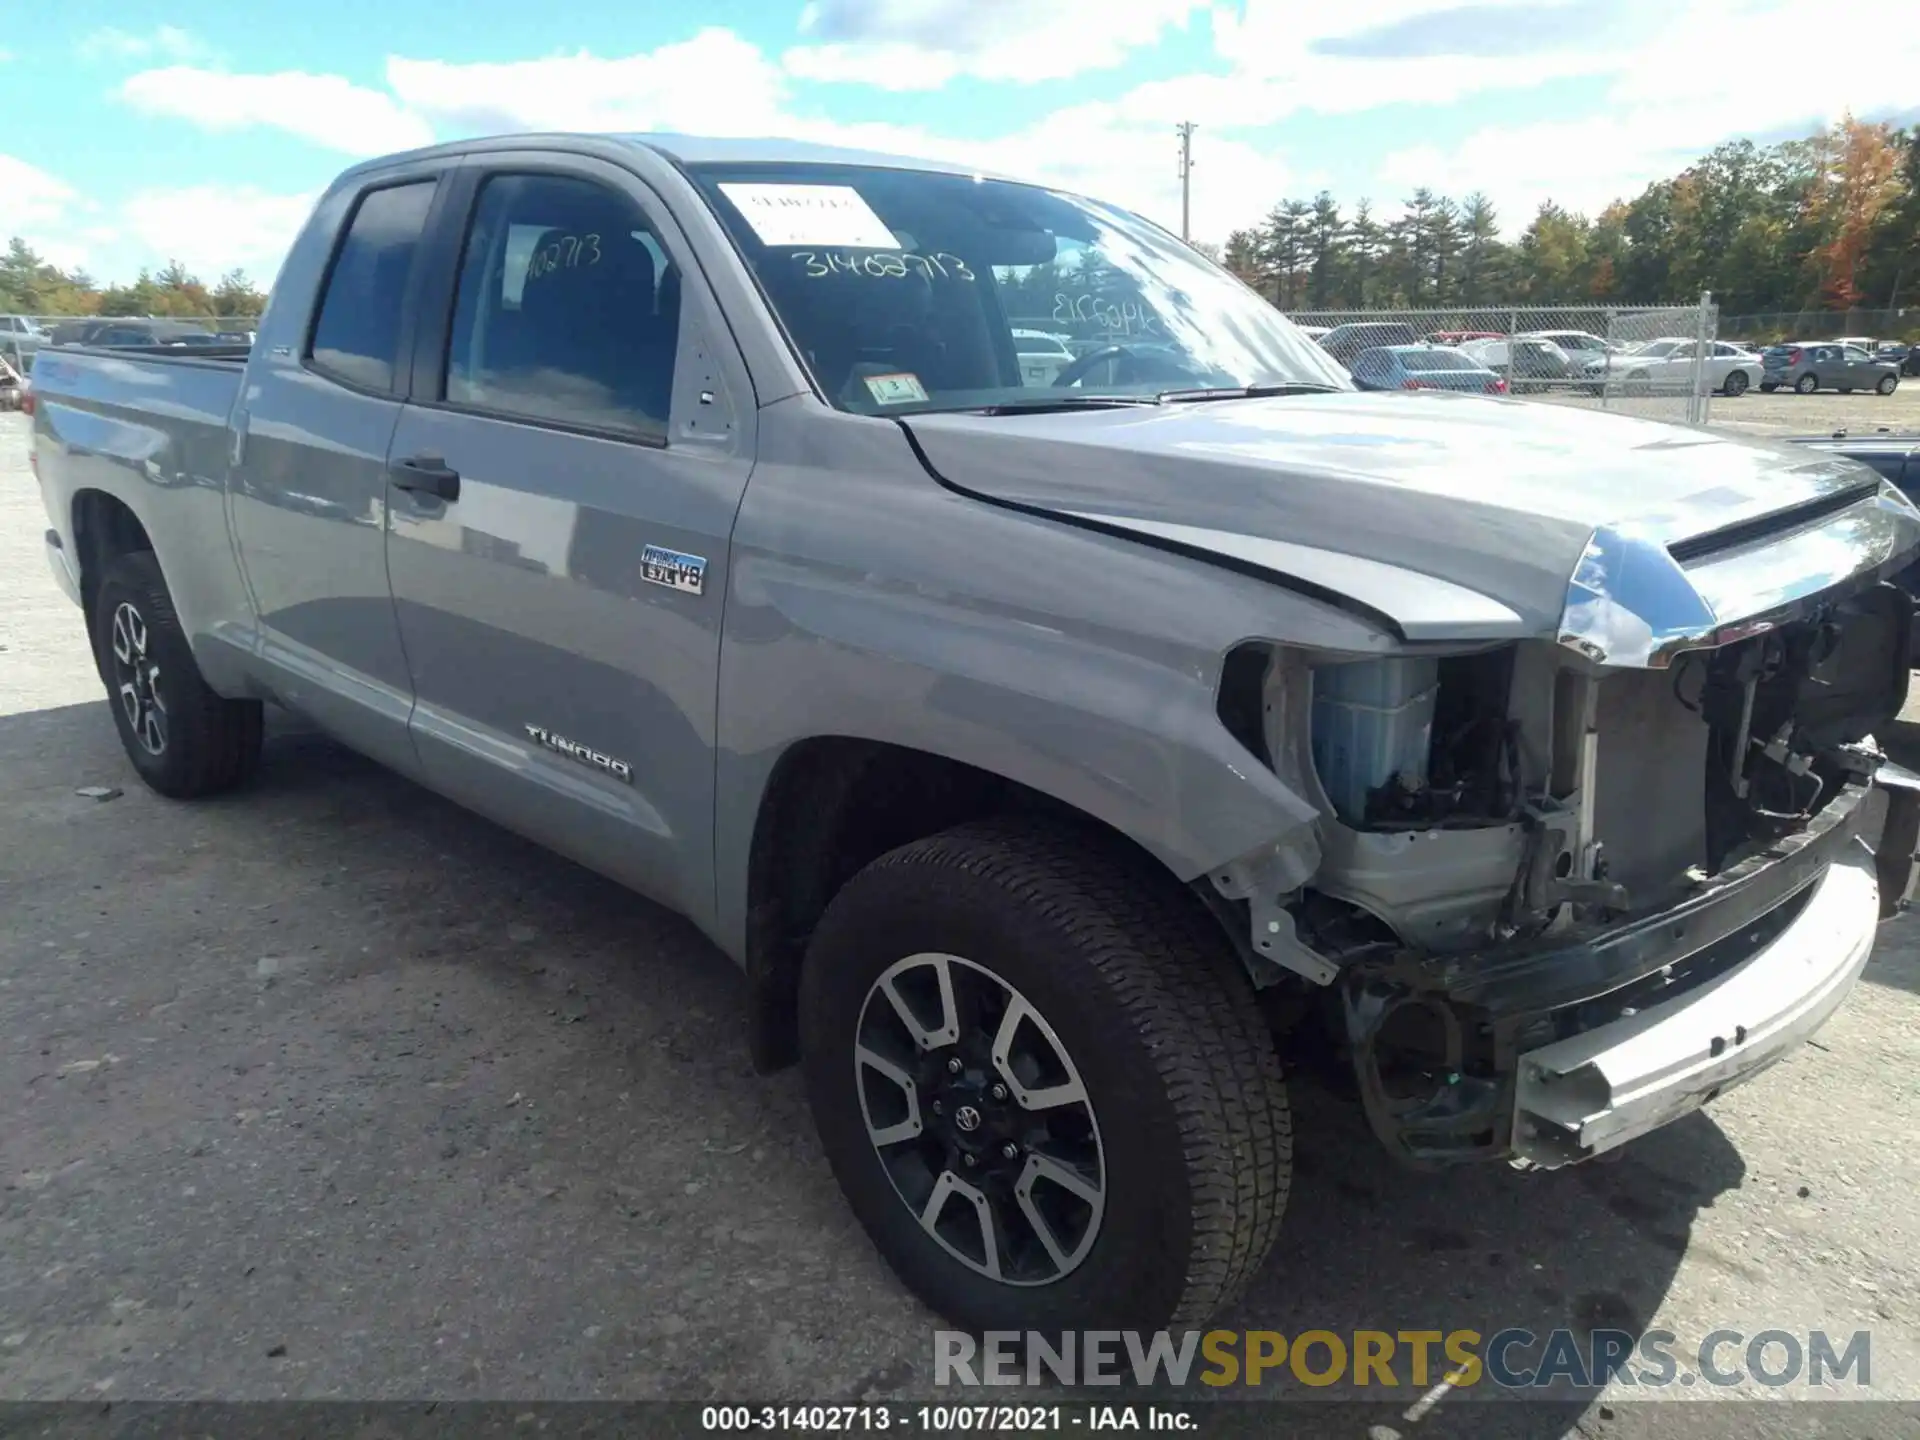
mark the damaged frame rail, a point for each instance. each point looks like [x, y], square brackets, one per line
[1527, 1032]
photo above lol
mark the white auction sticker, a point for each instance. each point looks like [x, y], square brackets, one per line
[810, 215]
[900, 388]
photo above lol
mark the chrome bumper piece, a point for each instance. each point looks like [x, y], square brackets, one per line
[1582, 1096]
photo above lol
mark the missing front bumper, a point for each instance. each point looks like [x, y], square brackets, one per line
[1552, 1053]
[1584, 1095]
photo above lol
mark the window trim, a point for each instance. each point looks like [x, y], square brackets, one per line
[433, 342]
[401, 383]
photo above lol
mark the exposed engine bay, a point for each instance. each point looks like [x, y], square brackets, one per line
[1499, 827]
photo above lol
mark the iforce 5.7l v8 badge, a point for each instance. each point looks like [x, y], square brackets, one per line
[673, 569]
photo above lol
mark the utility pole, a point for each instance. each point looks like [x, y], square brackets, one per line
[1186, 129]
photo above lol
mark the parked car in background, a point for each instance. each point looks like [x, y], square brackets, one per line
[1313, 332]
[1042, 355]
[1528, 362]
[1424, 367]
[1345, 342]
[1457, 337]
[1859, 342]
[1905, 358]
[20, 339]
[1667, 364]
[129, 330]
[1826, 365]
[1581, 344]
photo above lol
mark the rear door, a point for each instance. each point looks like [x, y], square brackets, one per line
[565, 479]
[308, 495]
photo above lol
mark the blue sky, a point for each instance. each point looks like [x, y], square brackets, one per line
[137, 132]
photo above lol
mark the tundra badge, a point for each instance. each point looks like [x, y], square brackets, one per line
[560, 745]
[673, 569]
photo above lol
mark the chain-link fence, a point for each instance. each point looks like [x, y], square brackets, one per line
[1660, 361]
[1784, 327]
[22, 337]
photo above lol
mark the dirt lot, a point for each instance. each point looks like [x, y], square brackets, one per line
[331, 1090]
[1781, 413]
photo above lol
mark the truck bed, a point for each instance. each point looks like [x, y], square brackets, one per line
[127, 424]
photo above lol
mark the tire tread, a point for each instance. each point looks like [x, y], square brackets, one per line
[219, 738]
[1163, 960]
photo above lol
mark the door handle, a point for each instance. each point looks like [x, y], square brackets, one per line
[427, 474]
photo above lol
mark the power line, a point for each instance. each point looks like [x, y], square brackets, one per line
[1186, 129]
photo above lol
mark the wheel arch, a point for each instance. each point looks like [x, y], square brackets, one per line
[832, 805]
[103, 526]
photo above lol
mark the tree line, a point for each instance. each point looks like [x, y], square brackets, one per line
[30, 285]
[1829, 222]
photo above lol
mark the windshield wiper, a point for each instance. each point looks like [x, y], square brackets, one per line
[1248, 392]
[1041, 405]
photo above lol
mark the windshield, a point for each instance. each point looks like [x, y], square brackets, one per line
[905, 290]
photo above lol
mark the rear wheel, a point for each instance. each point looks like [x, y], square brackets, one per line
[1043, 1083]
[1888, 384]
[1736, 383]
[184, 740]
[1767, 387]
[1806, 384]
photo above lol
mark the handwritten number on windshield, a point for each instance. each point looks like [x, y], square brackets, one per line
[1126, 317]
[884, 264]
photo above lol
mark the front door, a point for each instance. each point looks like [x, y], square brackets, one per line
[565, 482]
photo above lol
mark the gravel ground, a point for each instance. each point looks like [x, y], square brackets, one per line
[1781, 413]
[331, 1090]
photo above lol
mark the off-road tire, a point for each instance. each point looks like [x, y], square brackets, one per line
[1155, 1011]
[210, 743]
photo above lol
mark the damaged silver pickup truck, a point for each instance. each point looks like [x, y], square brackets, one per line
[1049, 744]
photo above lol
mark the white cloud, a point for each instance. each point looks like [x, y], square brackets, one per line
[326, 109]
[35, 199]
[1665, 108]
[214, 228]
[714, 84]
[718, 84]
[922, 44]
[168, 42]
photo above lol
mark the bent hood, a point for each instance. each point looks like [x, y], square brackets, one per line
[1452, 517]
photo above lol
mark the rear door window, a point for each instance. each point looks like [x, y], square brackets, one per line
[356, 334]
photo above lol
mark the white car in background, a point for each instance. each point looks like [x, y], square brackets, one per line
[1667, 364]
[1042, 356]
[20, 340]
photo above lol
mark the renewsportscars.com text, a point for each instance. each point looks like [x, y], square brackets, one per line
[1512, 1359]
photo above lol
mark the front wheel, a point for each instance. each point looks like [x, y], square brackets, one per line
[1042, 1081]
[184, 740]
[1888, 384]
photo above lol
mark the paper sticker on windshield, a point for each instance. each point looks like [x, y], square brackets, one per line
[810, 215]
[899, 389]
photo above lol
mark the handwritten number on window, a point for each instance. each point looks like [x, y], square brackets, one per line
[1125, 317]
[883, 264]
[564, 252]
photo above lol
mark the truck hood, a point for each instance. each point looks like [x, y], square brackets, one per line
[1450, 516]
